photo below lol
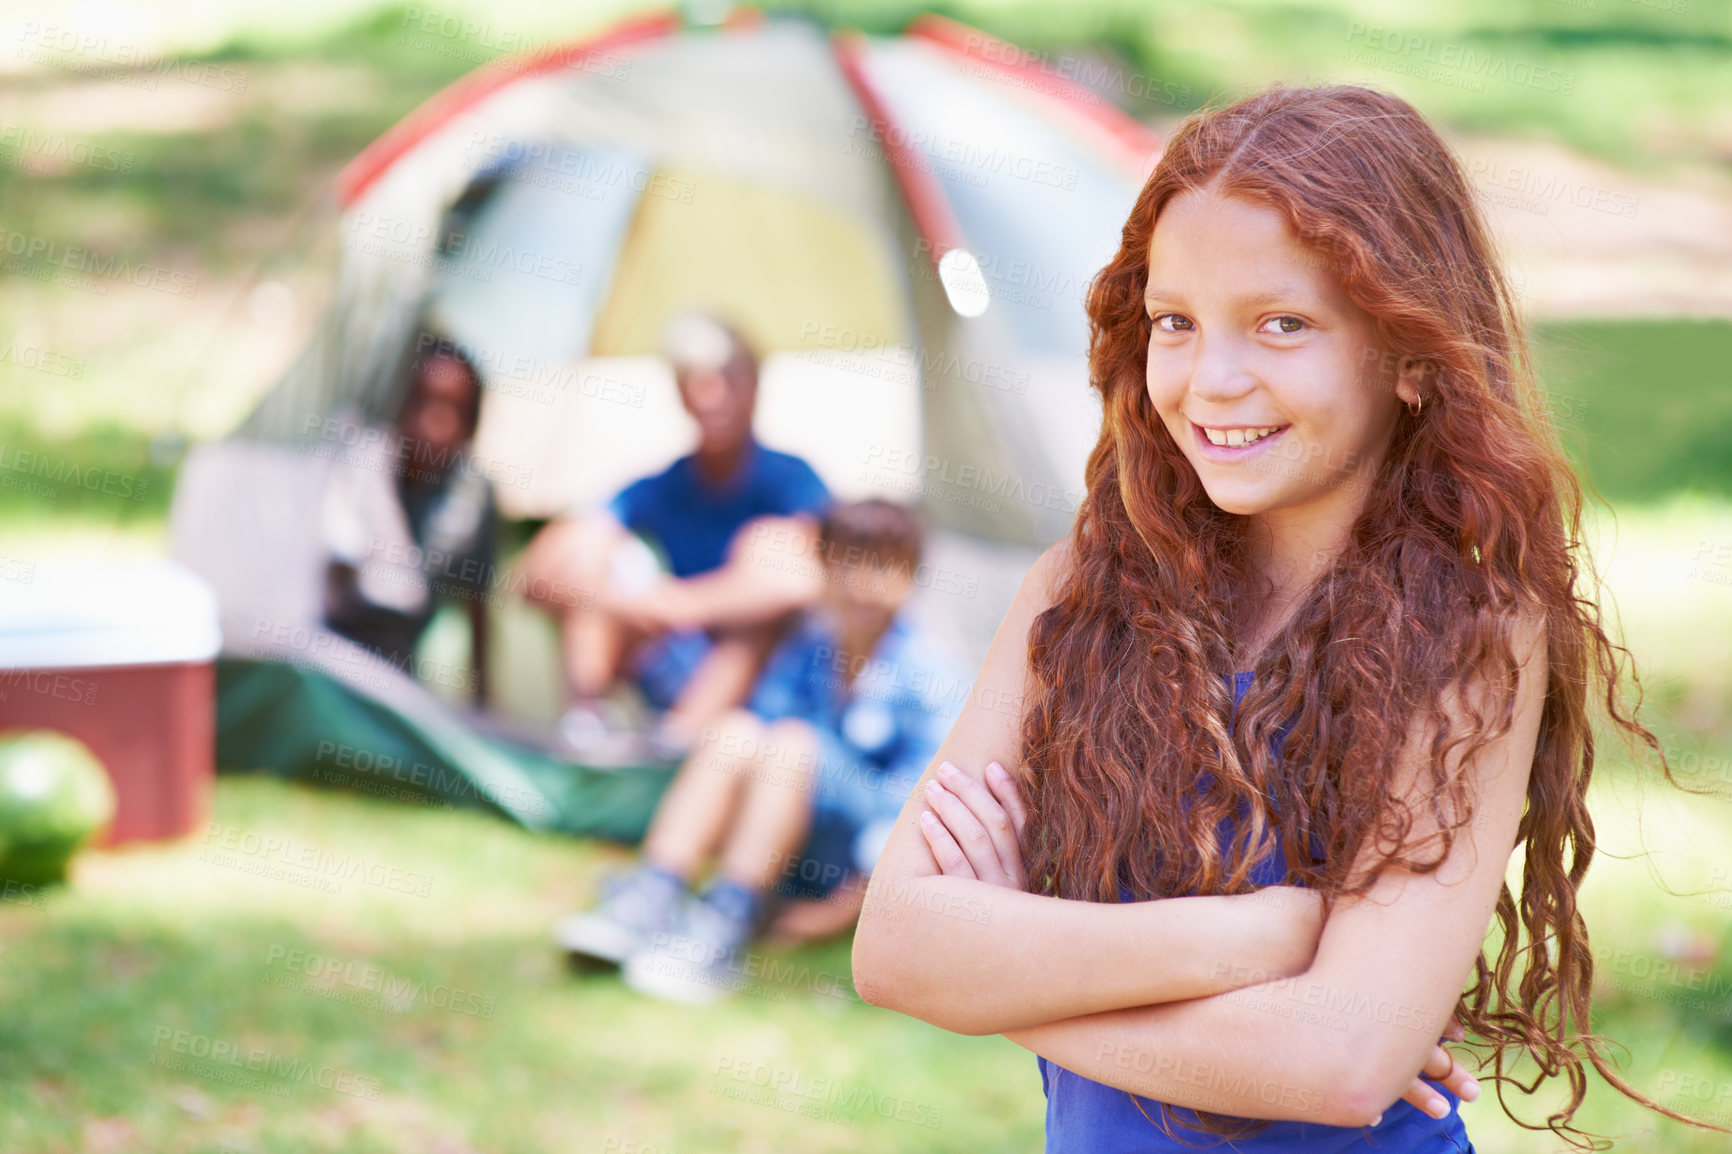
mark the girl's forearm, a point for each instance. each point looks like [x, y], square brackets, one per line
[981, 959]
[1238, 1054]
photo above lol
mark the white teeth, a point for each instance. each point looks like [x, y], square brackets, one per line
[1238, 436]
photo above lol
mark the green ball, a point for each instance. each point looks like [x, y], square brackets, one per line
[54, 796]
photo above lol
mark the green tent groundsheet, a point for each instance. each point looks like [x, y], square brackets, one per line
[300, 723]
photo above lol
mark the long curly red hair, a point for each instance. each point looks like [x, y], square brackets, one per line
[1473, 519]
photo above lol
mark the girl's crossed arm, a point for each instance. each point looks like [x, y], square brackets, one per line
[980, 958]
[1342, 1042]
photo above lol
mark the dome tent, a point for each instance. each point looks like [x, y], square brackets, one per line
[807, 187]
[905, 226]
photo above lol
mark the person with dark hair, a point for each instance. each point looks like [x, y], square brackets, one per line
[687, 567]
[850, 707]
[409, 519]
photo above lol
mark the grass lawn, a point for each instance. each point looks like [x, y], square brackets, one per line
[394, 1020]
[1642, 405]
[175, 1000]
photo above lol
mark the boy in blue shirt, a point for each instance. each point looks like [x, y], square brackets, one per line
[851, 707]
[682, 602]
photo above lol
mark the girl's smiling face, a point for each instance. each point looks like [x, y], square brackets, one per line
[1269, 378]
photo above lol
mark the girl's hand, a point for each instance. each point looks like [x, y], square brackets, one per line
[1442, 1067]
[974, 830]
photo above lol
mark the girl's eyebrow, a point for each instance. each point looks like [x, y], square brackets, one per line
[1280, 295]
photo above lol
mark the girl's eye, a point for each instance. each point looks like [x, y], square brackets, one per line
[1172, 323]
[1286, 325]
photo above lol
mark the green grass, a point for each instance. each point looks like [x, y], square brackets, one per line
[263, 146]
[161, 946]
[101, 473]
[152, 941]
[1643, 405]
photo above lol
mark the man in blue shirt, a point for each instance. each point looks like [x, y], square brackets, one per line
[686, 579]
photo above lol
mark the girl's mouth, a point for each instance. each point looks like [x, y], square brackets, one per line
[1251, 439]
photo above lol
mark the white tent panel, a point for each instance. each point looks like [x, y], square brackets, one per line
[842, 412]
[574, 437]
[1039, 210]
[526, 278]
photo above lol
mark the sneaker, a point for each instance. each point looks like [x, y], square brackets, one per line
[636, 907]
[694, 961]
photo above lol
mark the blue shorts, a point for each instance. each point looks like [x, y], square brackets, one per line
[851, 795]
[665, 663]
[854, 804]
[826, 858]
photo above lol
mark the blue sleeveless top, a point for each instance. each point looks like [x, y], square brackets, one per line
[1084, 1116]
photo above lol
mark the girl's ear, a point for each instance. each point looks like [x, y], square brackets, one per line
[1413, 380]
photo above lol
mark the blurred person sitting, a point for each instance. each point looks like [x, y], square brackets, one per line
[851, 707]
[409, 519]
[686, 580]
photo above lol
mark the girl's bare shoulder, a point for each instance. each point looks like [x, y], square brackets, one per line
[1006, 657]
[1046, 577]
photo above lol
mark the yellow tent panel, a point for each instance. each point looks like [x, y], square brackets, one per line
[789, 270]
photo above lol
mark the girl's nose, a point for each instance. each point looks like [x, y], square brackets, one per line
[1218, 373]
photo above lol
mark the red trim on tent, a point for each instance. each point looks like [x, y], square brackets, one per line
[1139, 145]
[925, 196]
[744, 18]
[450, 102]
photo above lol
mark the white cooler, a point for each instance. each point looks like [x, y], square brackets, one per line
[121, 656]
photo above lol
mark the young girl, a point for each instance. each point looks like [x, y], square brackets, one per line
[1318, 623]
